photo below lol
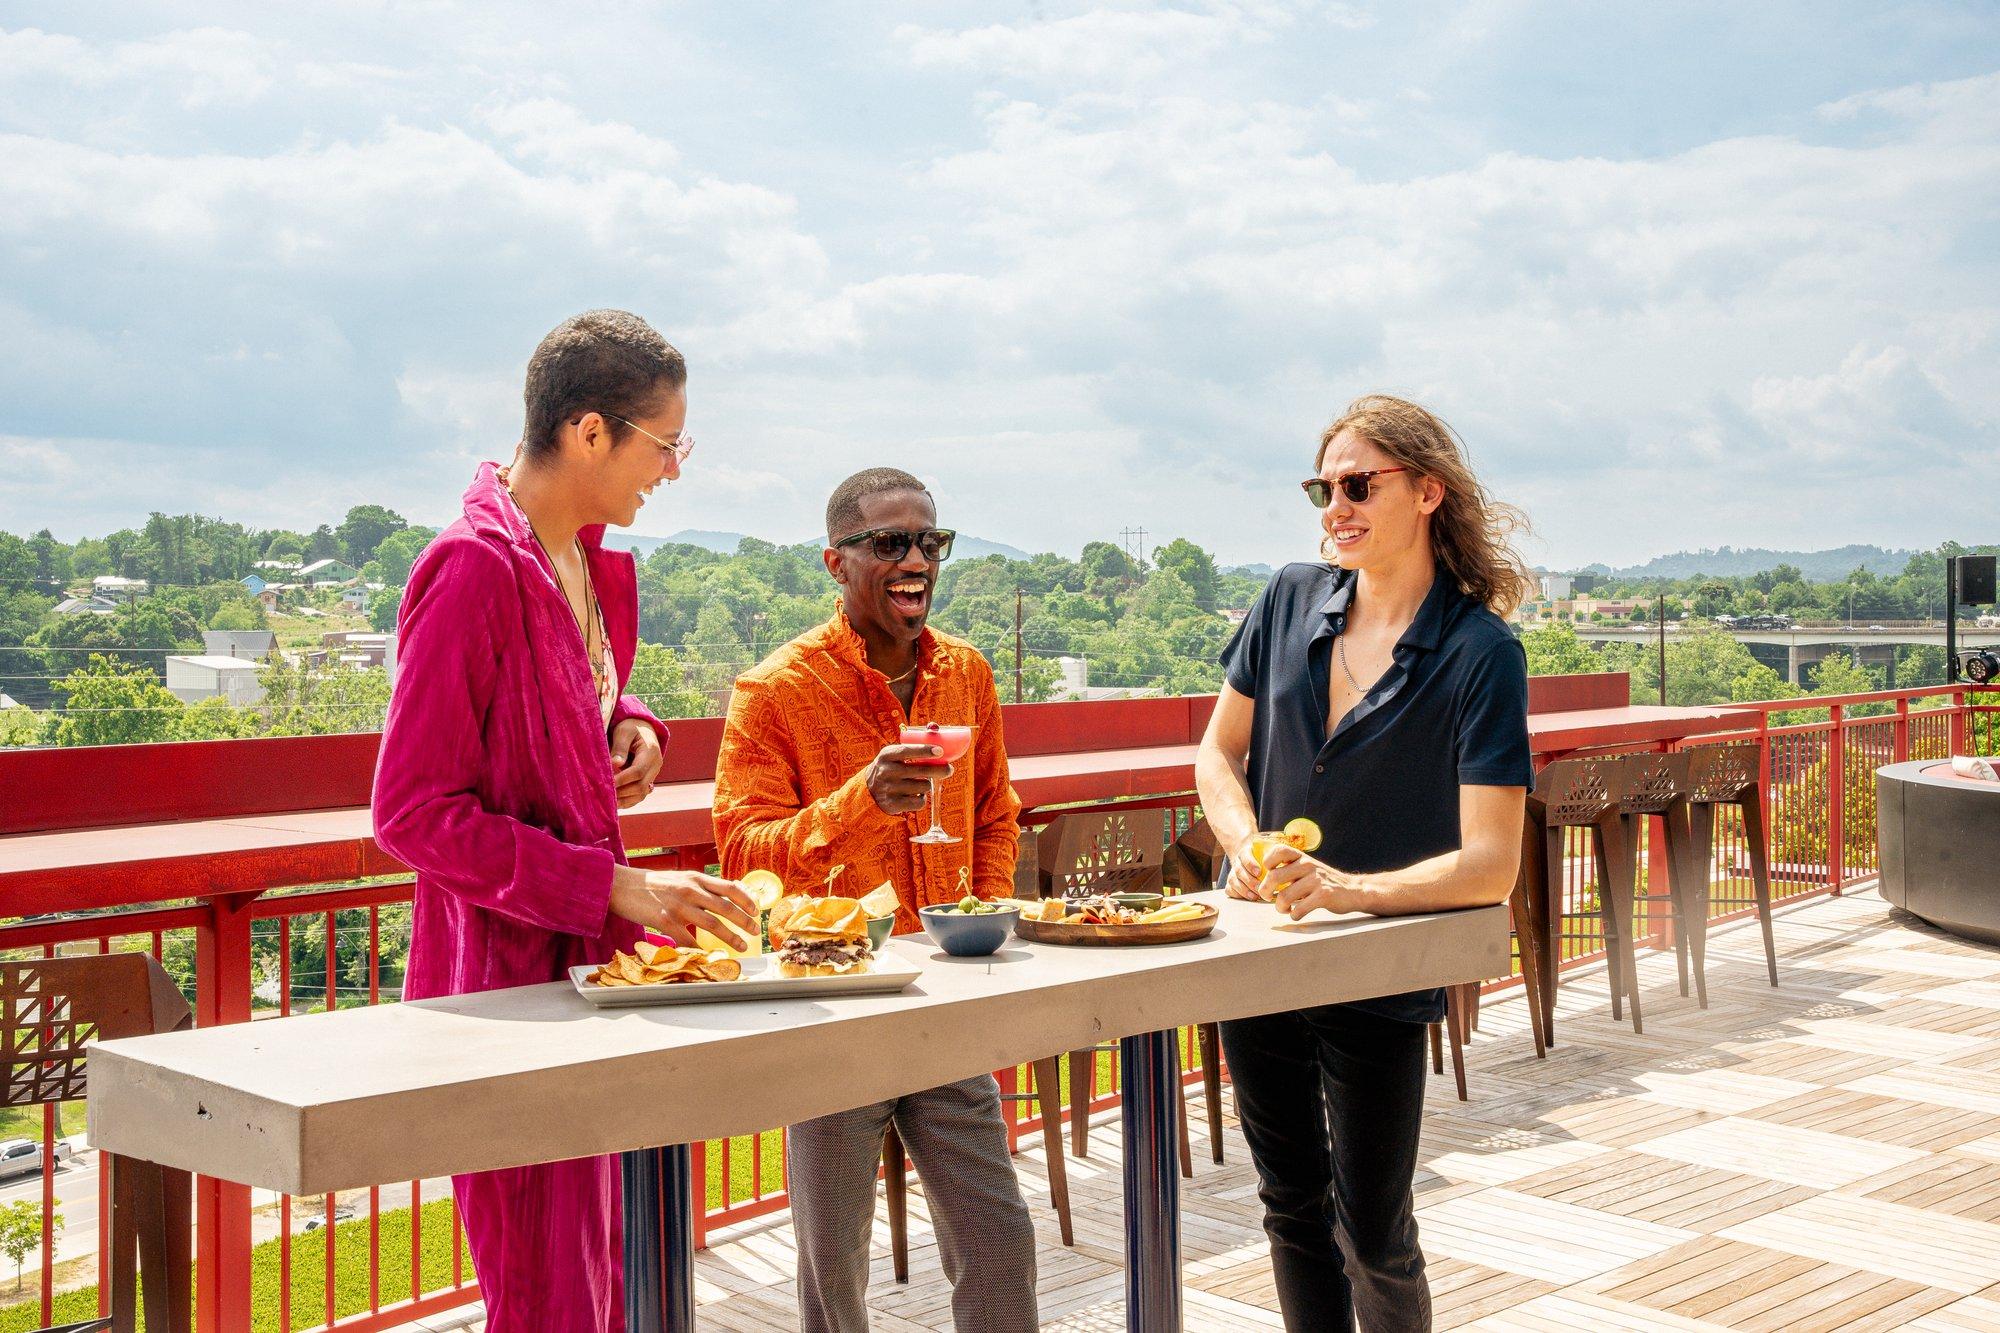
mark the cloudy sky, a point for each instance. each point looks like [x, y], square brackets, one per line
[1682, 275]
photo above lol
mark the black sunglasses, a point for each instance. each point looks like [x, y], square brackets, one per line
[894, 543]
[1356, 486]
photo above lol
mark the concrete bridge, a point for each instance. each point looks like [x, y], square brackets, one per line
[1789, 650]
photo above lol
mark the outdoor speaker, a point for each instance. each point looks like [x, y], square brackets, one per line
[1975, 580]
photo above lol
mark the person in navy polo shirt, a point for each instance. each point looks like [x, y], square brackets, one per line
[1381, 695]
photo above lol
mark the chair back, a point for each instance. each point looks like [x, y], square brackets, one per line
[1576, 793]
[1193, 862]
[50, 1007]
[1720, 774]
[1650, 784]
[1102, 852]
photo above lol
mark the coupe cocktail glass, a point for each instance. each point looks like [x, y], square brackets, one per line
[952, 743]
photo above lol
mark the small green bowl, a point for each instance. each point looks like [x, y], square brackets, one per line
[1139, 902]
[879, 929]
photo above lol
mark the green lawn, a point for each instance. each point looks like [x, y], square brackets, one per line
[25, 1122]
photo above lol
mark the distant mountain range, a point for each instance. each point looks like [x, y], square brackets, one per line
[725, 543]
[1817, 566]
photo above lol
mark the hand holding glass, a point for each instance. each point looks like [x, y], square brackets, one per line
[951, 744]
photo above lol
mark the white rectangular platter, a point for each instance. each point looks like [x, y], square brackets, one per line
[760, 981]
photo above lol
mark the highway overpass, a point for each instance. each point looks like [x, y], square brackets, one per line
[1788, 650]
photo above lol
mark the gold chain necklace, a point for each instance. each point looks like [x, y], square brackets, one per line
[599, 674]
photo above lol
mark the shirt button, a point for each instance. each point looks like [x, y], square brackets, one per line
[1319, 768]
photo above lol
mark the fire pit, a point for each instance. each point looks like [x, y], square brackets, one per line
[1939, 836]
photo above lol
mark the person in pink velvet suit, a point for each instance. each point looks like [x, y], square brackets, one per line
[508, 752]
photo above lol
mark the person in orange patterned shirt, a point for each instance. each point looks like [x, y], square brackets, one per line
[812, 775]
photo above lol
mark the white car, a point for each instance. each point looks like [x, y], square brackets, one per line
[20, 1157]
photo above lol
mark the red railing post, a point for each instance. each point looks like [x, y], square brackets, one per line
[1899, 734]
[222, 1209]
[1961, 719]
[1836, 798]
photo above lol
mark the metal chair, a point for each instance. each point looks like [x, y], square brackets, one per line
[1461, 1018]
[1655, 785]
[1719, 775]
[895, 1164]
[49, 1009]
[1578, 794]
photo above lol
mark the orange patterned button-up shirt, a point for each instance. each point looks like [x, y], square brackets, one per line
[791, 794]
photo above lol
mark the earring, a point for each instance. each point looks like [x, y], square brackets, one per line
[1327, 549]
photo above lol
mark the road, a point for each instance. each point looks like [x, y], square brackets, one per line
[76, 1200]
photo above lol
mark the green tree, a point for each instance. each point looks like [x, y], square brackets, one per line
[322, 701]
[1195, 566]
[383, 608]
[239, 615]
[1555, 650]
[323, 544]
[661, 681]
[396, 553]
[20, 726]
[364, 529]
[21, 1232]
[112, 702]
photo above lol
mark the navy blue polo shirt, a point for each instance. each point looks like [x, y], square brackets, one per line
[1451, 710]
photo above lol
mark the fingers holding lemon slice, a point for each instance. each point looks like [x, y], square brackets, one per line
[764, 888]
[1303, 834]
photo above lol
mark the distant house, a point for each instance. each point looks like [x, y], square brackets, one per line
[85, 606]
[1235, 615]
[1075, 683]
[249, 644]
[1556, 587]
[277, 566]
[355, 599]
[360, 649]
[112, 588]
[9, 701]
[192, 679]
[328, 571]
[256, 583]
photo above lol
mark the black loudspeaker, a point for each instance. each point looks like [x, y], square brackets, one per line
[1975, 580]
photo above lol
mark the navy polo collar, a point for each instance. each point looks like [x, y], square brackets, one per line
[1425, 630]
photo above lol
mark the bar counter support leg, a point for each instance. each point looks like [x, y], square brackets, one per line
[1152, 1184]
[659, 1239]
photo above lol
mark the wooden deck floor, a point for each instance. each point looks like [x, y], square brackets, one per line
[1821, 1156]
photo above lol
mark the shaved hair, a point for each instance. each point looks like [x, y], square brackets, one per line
[843, 511]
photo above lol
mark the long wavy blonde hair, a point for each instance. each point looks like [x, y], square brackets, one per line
[1471, 531]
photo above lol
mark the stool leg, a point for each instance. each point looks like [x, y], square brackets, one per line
[1048, 1100]
[1531, 972]
[1697, 843]
[1082, 1087]
[1752, 806]
[1551, 925]
[1621, 866]
[896, 1185]
[1437, 1048]
[1607, 923]
[1454, 1023]
[1209, 1037]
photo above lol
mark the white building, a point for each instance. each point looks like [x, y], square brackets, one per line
[112, 588]
[192, 679]
[1557, 587]
[255, 644]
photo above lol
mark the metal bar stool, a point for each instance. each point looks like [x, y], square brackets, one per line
[1647, 786]
[1576, 794]
[895, 1164]
[1719, 775]
[49, 1009]
[1461, 1018]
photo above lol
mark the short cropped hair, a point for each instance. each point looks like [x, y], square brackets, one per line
[608, 361]
[843, 511]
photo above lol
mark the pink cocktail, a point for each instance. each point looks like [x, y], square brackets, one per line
[951, 744]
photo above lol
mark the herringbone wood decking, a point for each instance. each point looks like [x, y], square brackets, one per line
[1822, 1156]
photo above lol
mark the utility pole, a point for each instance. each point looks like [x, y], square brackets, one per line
[1662, 610]
[1017, 645]
[1951, 620]
[1135, 553]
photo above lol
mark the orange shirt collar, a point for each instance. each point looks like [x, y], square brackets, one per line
[846, 643]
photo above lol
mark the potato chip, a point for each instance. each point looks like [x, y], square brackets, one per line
[660, 965]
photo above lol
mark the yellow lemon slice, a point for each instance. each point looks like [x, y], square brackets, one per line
[766, 888]
[1303, 834]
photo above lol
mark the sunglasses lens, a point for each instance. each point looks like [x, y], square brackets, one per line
[1319, 493]
[1356, 488]
[936, 544]
[890, 545]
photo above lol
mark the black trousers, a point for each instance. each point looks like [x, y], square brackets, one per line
[1332, 1101]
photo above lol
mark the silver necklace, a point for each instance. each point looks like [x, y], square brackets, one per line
[1340, 642]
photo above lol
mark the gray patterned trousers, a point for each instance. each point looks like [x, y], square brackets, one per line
[958, 1141]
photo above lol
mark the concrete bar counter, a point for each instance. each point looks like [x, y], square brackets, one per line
[358, 1097]
[1939, 837]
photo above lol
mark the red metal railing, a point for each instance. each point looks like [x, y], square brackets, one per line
[243, 958]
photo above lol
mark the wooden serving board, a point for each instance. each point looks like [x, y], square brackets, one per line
[1152, 932]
